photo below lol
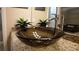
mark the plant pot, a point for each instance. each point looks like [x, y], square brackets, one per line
[43, 25]
[23, 28]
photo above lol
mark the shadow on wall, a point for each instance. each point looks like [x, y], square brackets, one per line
[0, 26]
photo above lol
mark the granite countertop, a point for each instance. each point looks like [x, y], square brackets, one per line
[64, 43]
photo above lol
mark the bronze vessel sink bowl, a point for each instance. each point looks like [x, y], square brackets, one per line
[37, 36]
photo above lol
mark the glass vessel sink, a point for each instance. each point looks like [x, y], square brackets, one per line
[37, 36]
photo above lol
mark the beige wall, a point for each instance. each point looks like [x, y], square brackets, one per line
[12, 14]
[37, 15]
[72, 19]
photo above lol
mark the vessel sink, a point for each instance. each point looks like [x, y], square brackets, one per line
[37, 36]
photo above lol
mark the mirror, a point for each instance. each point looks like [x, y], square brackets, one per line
[34, 14]
[40, 8]
[71, 19]
[22, 7]
[52, 15]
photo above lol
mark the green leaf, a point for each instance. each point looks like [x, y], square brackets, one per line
[21, 19]
[41, 20]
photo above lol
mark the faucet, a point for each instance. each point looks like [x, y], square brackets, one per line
[55, 18]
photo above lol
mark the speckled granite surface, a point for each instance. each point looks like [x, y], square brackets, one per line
[1, 41]
[64, 43]
[1, 46]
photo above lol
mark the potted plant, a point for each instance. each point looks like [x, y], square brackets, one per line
[22, 24]
[43, 23]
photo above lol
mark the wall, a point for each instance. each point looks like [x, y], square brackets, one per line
[12, 15]
[71, 15]
[37, 15]
[72, 19]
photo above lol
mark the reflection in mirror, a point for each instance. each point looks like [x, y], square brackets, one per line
[71, 19]
[52, 15]
[22, 7]
[40, 8]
